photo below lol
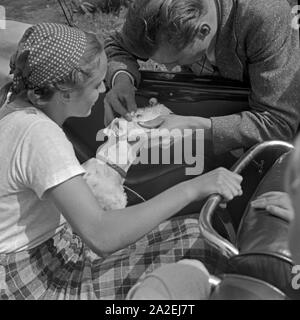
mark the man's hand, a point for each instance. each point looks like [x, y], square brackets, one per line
[121, 99]
[277, 203]
[173, 121]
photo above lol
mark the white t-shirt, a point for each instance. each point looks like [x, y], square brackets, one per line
[35, 155]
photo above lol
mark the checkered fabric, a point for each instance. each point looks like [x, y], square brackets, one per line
[46, 54]
[64, 268]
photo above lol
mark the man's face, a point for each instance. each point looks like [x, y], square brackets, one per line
[170, 57]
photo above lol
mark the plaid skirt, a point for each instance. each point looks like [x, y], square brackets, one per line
[63, 267]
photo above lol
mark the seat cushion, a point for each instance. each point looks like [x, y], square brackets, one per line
[237, 287]
[260, 231]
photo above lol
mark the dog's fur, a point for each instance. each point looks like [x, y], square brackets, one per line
[106, 184]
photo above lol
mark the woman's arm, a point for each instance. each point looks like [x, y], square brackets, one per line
[106, 232]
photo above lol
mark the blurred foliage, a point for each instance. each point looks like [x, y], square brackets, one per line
[113, 6]
[103, 17]
[105, 6]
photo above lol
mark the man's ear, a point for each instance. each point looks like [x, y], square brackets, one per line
[204, 31]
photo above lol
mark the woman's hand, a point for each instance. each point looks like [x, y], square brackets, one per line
[220, 181]
[277, 203]
[120, 99]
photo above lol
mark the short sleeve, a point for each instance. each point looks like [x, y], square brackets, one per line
[46, 158]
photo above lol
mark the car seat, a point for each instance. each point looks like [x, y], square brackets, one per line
[258, 246]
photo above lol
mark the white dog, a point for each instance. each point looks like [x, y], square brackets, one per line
[105, 182]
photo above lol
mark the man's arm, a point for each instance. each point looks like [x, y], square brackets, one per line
[123, 76]
[272, 49]
[122, 49]
[120, 58]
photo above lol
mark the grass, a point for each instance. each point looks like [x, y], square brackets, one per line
[36, 11]
[33, 11]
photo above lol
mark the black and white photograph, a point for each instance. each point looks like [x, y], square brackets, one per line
[150, 153]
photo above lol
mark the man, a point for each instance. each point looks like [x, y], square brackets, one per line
[245, 40]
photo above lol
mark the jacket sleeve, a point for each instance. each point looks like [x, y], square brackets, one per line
[273, 65]
[123, 51]
[120, 57]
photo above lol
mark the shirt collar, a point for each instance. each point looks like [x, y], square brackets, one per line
[224, 9]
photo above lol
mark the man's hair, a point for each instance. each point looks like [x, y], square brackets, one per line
[176, 22]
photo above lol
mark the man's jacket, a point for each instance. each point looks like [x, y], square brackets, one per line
[255, 44]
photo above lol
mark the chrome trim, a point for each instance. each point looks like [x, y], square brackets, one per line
[135, 193]
[214, 281]
[256, 150]
[207, 212]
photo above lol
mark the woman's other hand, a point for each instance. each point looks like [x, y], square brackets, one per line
[220, 181]
[120, 99]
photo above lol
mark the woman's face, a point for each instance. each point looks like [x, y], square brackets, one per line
[83, 100]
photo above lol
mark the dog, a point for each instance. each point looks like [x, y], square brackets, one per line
[103, 175]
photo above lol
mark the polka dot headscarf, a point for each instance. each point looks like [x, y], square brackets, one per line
[46, 54]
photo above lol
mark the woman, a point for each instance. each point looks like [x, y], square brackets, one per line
[58, 73]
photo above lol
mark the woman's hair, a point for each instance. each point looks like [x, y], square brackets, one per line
[176, 22]
[88, 65]
[76, 79]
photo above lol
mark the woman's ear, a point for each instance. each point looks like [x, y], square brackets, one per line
[36, 99]
[66, 96]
